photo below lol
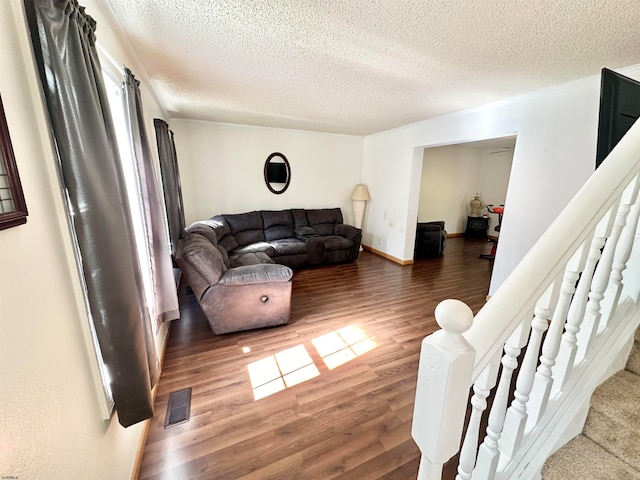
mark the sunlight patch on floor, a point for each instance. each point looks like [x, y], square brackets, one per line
[282, 370]
[294, 365]
[342, 346]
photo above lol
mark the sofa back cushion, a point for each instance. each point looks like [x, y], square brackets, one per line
[204, 257]
[299, 217]
[205, 228]
[277, 224]
[324, 220]
[226, 241]
[246, 228]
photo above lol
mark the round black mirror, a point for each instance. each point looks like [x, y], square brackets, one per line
[277, 173]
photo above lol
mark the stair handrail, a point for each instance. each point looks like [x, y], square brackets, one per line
[503, 314]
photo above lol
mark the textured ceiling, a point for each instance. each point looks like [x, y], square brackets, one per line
[363, 66]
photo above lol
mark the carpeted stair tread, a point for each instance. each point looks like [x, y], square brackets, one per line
[586, 460]
[633, 364]
[614, 417]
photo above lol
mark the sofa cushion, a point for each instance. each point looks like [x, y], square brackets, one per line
[240, 222]
[254, 248]
[276, 218]
[223, 233]
[299, 217]
[256, 274]
[334, 242]
[277, 224]
[204, 257]
[246, 228]
[324, 220]
[228, 242]
[219, 225]
[324, 229]
[278, 232]
[249, 236]
[253, 258]
[289, 246]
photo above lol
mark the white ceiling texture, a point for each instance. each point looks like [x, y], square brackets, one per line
[364, 66]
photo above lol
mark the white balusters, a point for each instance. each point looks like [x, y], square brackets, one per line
[623, 252]
[516, 418]
[543, 380]
[567, 352]
[589, 323]
[594, 321]
[442, 390]
[489, 453]
[481, 388]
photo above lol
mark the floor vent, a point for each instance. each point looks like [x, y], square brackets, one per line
[178, 408]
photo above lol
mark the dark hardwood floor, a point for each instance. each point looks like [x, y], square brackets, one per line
[352, 421]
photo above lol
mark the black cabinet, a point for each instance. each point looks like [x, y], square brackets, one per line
[477, 227]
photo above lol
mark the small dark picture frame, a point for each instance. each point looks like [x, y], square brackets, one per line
[13, 209]
[277, 173]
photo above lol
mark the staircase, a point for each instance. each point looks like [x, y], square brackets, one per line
[550, 351]
[609, 445]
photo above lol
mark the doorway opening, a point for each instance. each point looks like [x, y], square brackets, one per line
[453, 175]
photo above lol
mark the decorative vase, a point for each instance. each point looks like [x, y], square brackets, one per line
[475, 205]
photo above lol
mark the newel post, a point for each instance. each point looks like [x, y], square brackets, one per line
[442, 391]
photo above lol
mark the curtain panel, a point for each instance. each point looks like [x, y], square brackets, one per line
[170, 182]
[63, 39]
[164, 288]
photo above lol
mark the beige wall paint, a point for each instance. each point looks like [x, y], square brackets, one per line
[453, 174]
[493, 181]
[449, 181]
[221, 168]
[51, 424]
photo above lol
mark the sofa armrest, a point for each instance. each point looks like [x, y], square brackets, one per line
[347, 231]
[252, 274]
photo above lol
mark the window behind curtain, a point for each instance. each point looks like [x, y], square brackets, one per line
[113, 86]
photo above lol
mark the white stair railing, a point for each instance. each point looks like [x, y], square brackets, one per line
[562, 321]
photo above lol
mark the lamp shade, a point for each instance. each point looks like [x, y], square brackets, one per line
[360, 192]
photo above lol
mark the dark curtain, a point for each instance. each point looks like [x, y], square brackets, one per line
[165, 294]
[63, 38]
[170, 182]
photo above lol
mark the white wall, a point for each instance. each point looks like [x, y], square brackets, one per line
[449, 181]
[452, 175]
[51, 423]
[493, 180]
[221, 168]
[554, 155]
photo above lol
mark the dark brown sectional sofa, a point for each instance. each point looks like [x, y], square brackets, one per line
[239, 266]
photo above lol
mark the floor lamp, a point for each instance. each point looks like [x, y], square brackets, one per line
[359, 197]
